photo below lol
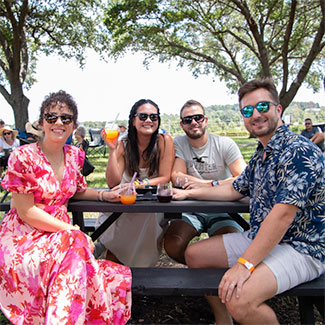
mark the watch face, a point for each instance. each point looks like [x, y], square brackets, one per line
[215, 183]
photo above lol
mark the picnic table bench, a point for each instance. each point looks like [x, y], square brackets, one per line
[185, 281]
[159, 281]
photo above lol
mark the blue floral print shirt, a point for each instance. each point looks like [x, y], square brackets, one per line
[293, 172]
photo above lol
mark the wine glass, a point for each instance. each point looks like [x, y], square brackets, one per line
[164, 192]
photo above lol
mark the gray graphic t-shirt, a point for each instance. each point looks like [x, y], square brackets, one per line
[210, 161]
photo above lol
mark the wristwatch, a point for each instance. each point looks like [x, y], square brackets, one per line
[214, 183]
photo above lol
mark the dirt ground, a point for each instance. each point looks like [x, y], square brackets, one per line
[195, 310]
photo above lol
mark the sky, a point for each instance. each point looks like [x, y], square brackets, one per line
[102, 89]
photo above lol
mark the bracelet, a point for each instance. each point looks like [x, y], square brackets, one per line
[147, 181]
[247, 264]
[100, 195]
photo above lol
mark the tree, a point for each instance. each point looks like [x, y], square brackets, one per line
[28, 27]
[236, 40]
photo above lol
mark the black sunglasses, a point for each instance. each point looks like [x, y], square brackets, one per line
[143, 116]
[51, 118]
[262, 107]
[7, 133]
[188, 119]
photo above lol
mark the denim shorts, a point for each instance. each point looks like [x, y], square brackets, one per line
[209, 222]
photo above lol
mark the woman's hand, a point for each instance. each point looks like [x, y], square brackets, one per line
[110, 145]
[112, 196]
[90, 243]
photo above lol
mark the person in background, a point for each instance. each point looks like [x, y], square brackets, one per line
[69, 139]
[47, 268]
[33, 131]
[80, 135]
[284, 247]
[8, 142]
[136, 239]
[204, 160]
[2, 123]
[123, 132]
[313, 133]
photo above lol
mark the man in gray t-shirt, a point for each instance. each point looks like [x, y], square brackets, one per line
[202, 159]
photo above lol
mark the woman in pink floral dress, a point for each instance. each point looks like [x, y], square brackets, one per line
[48, 274]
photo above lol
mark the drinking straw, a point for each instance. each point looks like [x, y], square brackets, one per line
[132, 180]
[115, 119]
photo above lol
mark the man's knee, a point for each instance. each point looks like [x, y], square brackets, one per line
[192, 256]
[175, 246]
[239, 309]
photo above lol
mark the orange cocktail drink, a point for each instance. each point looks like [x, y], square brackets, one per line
[128, 194]
[128, 198]
[112, 135]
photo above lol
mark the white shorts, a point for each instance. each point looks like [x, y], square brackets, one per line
[289, 267]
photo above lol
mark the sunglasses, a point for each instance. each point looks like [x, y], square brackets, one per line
[143, 116]
[7, 133]
[307, 123]
[51, 118]
[262, 107]
[188, 119]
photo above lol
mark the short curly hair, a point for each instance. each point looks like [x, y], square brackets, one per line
[59, 98]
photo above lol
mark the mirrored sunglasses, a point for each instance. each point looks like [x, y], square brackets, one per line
[51, 118]
[262, 107]
[197, 118]
[143, 116]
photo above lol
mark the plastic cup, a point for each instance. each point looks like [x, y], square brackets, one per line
[112, 135]
[128, 194]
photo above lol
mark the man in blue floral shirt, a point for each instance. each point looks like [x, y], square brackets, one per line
[285, 245]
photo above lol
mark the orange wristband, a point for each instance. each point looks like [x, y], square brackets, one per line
[247, 264]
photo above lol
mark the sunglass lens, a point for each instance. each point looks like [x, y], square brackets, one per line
[198, 118]
[153, 117]
[247, 111]
[51, 118]
[66, 119]
[263, 107]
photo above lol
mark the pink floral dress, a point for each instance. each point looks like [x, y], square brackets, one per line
[52, 277]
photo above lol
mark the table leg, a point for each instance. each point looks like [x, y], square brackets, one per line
[78, 219]
[105, 225]
[240, 220]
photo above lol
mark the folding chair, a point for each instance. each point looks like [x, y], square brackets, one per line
[97, 145]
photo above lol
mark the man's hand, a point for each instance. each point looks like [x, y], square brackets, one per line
[233, 278]
[179, 195]
[197, 184]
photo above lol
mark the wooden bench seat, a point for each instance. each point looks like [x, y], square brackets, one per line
[201, 282]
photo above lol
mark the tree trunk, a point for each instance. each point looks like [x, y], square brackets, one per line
[19, 103]
[20, 108]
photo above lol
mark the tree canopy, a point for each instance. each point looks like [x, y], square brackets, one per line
[28, 27]
[234, 40]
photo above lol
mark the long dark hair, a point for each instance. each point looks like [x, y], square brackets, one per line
[151, 153]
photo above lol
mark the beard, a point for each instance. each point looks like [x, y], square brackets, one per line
[272, 125]
[197, 134]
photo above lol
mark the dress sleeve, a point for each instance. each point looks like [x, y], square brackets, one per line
[20, 176]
